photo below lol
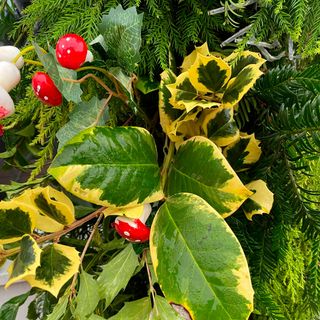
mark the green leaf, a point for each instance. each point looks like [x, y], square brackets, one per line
[238, 86]
[116, 274]
[145, 85]
[164, 309]
[95, 317]
[8, 154]
[41, 306]
[209, 74]
[135, 310]
[70, 90]
[219, 126]
[26, 261]
[121, 31]
[58, 264]
[243, 153]
[59, 309]
[88, 296]
[9, 310]
[200, 168]
[16, 220]
[84, 115]
[198, 261]
[113, 167]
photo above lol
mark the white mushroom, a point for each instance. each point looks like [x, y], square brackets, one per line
[8, 53]
[9, 75]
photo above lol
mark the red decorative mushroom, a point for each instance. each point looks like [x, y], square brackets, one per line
[134, 230]
[45, 89]
[72, 51]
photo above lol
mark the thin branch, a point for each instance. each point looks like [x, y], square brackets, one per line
[94, 229]
[236, 35]
[232, 7]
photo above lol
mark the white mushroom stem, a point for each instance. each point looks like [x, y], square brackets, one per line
[6, 104]
[9, 75]
[89, 57]
[8, 53]
[147, 209]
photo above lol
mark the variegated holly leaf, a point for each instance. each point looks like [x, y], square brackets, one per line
[238, 86]
[54, 210]
[198, 261]
[16, 220]
[209, 74]
[26, 262]
[167, 113]
[244, 152]
[199, 167]
[260, 202]
[240, 60]
[219, 126]
[184, 96]
[189, 60]
[58, 264]
[113, 167]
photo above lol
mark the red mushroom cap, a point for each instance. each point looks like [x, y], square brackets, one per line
[132, 229]
[71, 51]
[45, 89]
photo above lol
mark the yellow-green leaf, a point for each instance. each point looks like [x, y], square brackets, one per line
[239, 60]
[26, 262]
[198, 261]
[209, 74]
[130, 212]
[110, 166]
[199, 167]
[54, 209]
[238, 86]
[16, 220]
[219, 126]
[260, 202]
[189, 60]
[162, 310]
[244, 152]
[58, 264]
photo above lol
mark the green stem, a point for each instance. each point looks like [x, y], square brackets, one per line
[166, 164]
[24, 51]
[33, 62]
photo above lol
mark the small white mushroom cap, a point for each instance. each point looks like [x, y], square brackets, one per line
[6, 104]
[8, 53]
[9, 75]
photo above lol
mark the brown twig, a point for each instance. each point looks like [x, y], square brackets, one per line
[58, 234]
[94, 229]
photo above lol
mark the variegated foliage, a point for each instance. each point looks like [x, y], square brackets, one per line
[41, 209]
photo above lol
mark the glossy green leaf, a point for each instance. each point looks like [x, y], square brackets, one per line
[240, 60]
[200, 168]
[16, 220]
[135, 310]
[9, 310]
[95, 317]
[199, 262]
[70, 90]
[243, 153]
[8, 154]
[238, 86]
[84, 115]
[88, 295]
[121, 31]
[114, 167]
[41, 305]
[162, 310]
[209, 73]
[58, 264]
[59, 309]
[116, 274]
[145, 85]
[219, 126]
[26, 261]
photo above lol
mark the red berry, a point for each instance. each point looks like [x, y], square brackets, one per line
[71, 51]
[45, 89]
